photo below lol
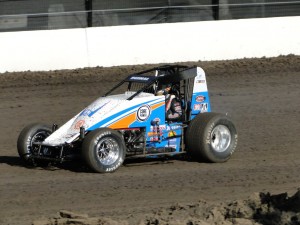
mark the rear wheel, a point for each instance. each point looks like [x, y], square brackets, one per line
[104, 150]
[211, 137]
[28, 136]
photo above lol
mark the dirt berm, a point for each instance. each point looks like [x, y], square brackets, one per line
[259, 208]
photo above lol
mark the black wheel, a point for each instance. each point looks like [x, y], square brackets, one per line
[211, 137]
[30, 134]
[104, 150]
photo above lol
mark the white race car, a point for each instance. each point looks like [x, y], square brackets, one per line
[131, 121]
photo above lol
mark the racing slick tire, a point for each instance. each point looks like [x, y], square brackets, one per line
[32, 133]
[104, 150]
[211, 137]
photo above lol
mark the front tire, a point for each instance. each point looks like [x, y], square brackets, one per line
[104, 150]
[211, 137]
[32, 133]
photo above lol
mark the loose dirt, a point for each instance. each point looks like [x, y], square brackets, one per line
[260, 95]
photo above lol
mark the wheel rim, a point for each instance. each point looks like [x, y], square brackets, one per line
[220, 138]
[38, 137]
[108, 151]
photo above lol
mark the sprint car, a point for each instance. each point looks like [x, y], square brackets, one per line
[130, 121]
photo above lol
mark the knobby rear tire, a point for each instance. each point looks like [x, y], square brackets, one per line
[211, 137]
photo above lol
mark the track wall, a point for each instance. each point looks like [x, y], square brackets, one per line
[140, 44]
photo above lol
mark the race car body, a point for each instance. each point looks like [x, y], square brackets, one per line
[131, 121]
[114, 111]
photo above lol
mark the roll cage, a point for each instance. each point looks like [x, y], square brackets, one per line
[150, 81]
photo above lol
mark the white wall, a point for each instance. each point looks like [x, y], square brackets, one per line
[140, 44]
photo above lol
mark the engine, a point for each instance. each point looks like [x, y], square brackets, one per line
[134, 140]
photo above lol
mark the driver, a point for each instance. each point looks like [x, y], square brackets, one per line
[173, 105]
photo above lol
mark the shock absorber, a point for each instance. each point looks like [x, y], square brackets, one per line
[158, 131]
[82, 133]
[54, 127]
[156, 128]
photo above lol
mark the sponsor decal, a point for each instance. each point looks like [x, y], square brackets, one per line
[175, 127]
[172, 134]
[161, 128]
[151, 134]
[85, 112]
[154, 139]
[166, 128]
[204, 107]
[200, 98]
[173, 141]
[140, 78]
[96, 110]
[90, 113]
[79, 124]
[201, 107]
[143, 113]
[200, 73]
[197, 107]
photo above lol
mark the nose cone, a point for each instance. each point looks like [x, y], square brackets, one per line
[90, 116]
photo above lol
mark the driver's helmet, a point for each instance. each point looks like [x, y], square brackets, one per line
[164, 90]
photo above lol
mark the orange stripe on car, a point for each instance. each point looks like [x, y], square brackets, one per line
[124, 122]
[157, 105]
[127, 120]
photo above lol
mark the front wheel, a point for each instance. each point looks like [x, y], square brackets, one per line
[104, 150]
[28, 136]
[211, 137]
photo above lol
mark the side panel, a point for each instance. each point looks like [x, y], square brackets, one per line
[163, 137]
[142, 115]
[200, 99]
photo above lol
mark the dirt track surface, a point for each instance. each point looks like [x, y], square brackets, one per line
[261, 95]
